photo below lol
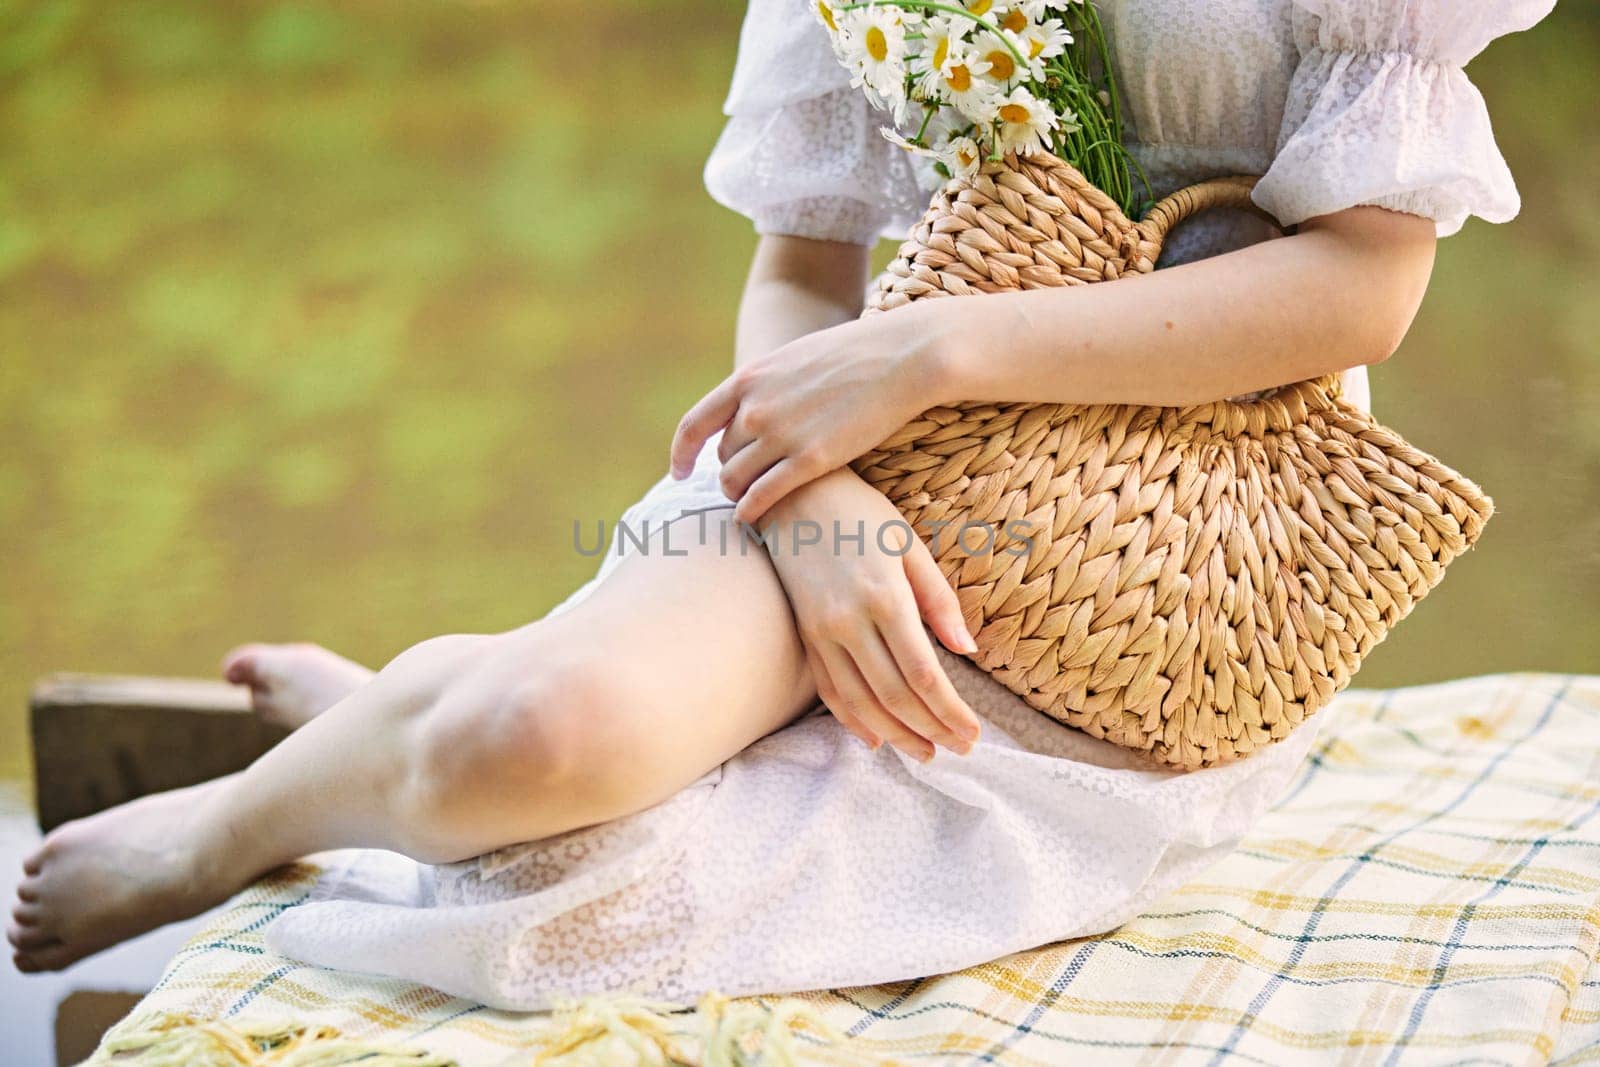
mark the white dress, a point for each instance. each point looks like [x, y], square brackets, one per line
[808, 861]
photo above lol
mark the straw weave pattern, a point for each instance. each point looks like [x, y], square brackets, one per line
[1200, 580]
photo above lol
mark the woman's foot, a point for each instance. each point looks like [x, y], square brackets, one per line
[95, 882]
[292, 684]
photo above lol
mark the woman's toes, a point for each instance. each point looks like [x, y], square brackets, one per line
[27, 938]
[241, 665]
[30, 926]
[292, 684]
[52, 956]
[268, 671]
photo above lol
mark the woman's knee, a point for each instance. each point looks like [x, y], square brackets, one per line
[534, 747]
[540, 727]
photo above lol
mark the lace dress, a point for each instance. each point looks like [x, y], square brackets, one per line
[808, 861]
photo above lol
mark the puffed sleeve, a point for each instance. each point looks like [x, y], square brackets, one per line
[801, 153]
[1381, 112]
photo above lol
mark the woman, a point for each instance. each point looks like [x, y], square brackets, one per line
[692, 825]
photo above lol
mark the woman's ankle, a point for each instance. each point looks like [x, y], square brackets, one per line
[231, 844]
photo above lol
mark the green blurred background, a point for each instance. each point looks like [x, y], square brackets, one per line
[325, 320]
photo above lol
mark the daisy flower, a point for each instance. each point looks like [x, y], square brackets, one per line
[942, 37]
[1019, 17]
[1044, 40]
[961, 83]
[999, 51]
[871, 44]
[1025, 122]
[962, 155]
[825, 15]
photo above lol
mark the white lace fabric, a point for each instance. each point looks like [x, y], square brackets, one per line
[808, 861]
[1381, 112]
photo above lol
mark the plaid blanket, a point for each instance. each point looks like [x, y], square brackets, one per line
[1426, 892]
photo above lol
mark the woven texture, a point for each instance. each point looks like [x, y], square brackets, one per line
[1200, 580]
[1427, 891]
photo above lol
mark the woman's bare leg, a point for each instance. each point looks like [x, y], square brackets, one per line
[460, 745]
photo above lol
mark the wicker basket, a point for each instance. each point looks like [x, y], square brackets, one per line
[1200, 580]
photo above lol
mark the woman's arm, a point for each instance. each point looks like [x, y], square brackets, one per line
[858, 608]
[1340, 293]
[797, 286]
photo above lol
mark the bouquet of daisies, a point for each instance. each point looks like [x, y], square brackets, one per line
[987, 78]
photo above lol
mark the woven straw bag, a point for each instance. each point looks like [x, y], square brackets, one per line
[1201, 580]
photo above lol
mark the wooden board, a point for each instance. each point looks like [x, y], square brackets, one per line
[101, 740]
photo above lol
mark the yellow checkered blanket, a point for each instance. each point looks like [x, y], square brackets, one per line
[1426, 892]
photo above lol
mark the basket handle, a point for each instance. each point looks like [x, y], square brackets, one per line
[1231, 192]
[1279, 408]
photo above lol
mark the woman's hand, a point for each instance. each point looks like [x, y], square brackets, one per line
[859, 605]
[813, 405]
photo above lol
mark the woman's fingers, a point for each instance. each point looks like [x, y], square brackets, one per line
[895, 693]
[913, 654]
[710, 414]
[937, 602]
[747, 465]
[781, 479]
[828, 693]
[857, 700]
[735, 437]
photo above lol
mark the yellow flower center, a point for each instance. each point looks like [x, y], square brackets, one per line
[1013, 113]
[1035, 46]
[959, 79]
[980, 7]
[1000, 65]
[827, 16]
[1015, 21]
[967, 158]
[941, 52]
[877, 44]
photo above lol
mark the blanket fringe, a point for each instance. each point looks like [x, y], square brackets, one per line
[592, 1032]
[185, 1041]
